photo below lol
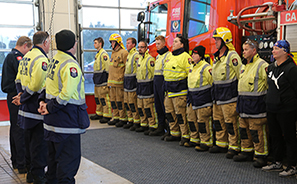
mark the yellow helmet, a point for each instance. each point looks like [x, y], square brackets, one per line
[116, 37]
[224, 33]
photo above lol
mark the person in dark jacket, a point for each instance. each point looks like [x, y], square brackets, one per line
[9, 72]
[281, 108]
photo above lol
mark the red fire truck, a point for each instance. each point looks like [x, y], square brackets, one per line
[197, 19]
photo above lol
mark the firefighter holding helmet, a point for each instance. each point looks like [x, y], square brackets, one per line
[116, 80]
[225, 72]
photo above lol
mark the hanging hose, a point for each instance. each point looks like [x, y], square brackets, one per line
[250, 29]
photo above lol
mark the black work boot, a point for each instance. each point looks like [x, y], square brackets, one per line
[96, 117]
[39, 180]
[165, 135]
[147, 132]
[158, 132]
[127, 126]
[171, 138]
[134, 127]
[113, 122]
[29, 177]
[183, 141]
[202, 147]
[217, 149]
[260, 162]
[104, 120]
[243, 156]
[121, 123]
[141, 129]
[190, 144]
[231, 153]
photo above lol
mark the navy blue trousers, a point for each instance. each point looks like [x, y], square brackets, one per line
[36, 150]
[16, 135]
[159, 99]
[64, 160]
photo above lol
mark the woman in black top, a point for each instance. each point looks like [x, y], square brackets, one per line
[281, 104]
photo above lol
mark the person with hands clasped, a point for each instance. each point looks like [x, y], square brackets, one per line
[63, 104]
[29, 83]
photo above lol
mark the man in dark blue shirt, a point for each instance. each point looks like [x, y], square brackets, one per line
[9, 72]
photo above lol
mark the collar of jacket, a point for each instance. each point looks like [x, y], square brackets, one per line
[16, 50]
[40, 50]
[163, 50]
[178, 51]
[132, 50]
[69, 53]
[217, 54]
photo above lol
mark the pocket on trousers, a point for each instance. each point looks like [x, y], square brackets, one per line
[83, 118]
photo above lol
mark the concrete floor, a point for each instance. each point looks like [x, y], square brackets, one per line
[88, 172]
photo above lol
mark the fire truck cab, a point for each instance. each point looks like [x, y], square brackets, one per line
[197, 19]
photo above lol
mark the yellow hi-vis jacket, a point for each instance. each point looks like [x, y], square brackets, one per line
[200, 83]
[101, 66]
[130, 81]
[145, 76]
[176, 70]
[65, 98]
[30, 80]
[252, 87]
[65, 81]
[160, 60]
[225, 73]
[32, 71]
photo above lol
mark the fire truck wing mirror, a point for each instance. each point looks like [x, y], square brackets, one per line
[140, 16]
[140, 32]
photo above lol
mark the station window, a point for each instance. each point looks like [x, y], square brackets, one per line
[13, 26]
[198, 17]
[159, 21]
[101, 19]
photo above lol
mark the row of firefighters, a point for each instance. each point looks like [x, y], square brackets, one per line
[181, 97]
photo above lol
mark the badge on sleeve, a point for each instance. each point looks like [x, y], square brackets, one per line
[210, 71]
[105, 58]
[44, 66]
[136, 60]
[19, 58]
[152, 63]
[241, 71]
[167, 60]
[190, 61]
[190, 71]
[73, 72]
[235, 62]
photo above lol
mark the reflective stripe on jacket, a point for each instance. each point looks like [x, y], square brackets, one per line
[225, 74]
[200, 83]
[252, 87]
[145, 76]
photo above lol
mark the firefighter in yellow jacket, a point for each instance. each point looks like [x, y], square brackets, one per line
[63, 104]
[175, 73]
[29, 83]
[225, 72]
[200, 109]
[252, 87]
[145, 91]
[101, 65]
[130, 84]
[116, 80]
